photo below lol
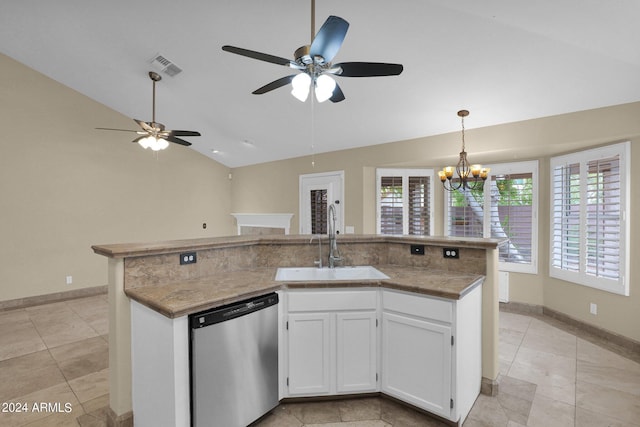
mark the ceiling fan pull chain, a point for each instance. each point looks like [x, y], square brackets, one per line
[153, 107]
[313, 20]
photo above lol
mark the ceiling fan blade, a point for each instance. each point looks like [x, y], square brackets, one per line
[368, 69]
[184, 133]
[144, 125]
[120, 130]
[337, 94]
[329, 38]
[283, 81]
[257, 55]
[175, 140]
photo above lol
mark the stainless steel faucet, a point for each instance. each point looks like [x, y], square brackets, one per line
[334, 254]
[317, 262]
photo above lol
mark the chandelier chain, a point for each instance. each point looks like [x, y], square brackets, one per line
[463, 145]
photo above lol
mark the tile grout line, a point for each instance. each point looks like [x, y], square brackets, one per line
[514, 359]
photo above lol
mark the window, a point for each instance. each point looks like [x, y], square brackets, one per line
[318, 209]
[404, 201]
[589, 206]
[466, 212]
[506, 207]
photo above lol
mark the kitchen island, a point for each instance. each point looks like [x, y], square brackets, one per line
[231, 269]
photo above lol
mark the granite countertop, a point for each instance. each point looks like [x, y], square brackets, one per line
[191, 296]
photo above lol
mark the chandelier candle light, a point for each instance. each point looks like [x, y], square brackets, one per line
[467, 174]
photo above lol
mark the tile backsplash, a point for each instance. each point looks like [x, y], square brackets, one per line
[166, 268]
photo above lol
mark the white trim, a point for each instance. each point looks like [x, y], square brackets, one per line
[266, 220]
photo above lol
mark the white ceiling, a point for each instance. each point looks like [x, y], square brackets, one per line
[504, 60]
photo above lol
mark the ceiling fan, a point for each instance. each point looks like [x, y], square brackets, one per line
[153, 134]
[315, 66]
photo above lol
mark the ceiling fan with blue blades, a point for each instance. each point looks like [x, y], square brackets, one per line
[314, 63]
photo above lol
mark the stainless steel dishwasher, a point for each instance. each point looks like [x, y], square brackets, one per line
[234, 363]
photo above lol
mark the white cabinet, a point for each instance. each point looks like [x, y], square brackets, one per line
[332, 342]
[416, 362]
[426, 352]
[356, 351]
[431, 351]
[309, 353]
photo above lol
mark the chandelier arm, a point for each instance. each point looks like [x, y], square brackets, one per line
[451, 186]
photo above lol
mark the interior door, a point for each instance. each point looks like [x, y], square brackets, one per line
[317, 192]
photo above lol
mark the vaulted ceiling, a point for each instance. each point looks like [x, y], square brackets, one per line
[504, 60]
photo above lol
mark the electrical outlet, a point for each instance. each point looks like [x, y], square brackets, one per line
[69, 280]
[188, 258]
[417, 249]
[593, 309]
[451, 252]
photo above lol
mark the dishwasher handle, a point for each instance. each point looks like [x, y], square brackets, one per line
[232, 311]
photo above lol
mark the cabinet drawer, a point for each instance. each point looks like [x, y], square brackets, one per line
[332, 300]
[420, 306]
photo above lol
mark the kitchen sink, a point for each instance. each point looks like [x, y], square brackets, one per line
[315, 274]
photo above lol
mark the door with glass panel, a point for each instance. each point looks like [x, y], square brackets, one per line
[317, 192]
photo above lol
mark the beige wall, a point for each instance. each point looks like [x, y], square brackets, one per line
[65, 186]
[533, 139]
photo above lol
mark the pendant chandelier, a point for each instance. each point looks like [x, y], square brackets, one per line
[469, 176]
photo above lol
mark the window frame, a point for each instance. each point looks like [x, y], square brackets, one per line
[511, 168]
[405, 174]
[618, 286]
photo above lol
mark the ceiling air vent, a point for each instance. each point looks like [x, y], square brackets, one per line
[165, 66]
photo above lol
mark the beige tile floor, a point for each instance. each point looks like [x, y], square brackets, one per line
[550, 375]
[54, 359]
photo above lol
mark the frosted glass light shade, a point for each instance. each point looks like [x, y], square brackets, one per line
[324, 87]
[300, 84]
[156, 144]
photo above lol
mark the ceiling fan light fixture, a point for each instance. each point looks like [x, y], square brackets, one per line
[300, 86]
[156, 144]
[325, 86]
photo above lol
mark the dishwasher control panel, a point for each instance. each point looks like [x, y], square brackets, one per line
[231, 311]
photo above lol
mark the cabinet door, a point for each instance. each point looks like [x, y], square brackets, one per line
[416, 362]
[309, 353]
[356, 352]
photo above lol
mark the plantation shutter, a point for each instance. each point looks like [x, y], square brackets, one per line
[404, 201]
[391, 205]
[603, 218]
[590, 204]
[419, 207]
[566, 217]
